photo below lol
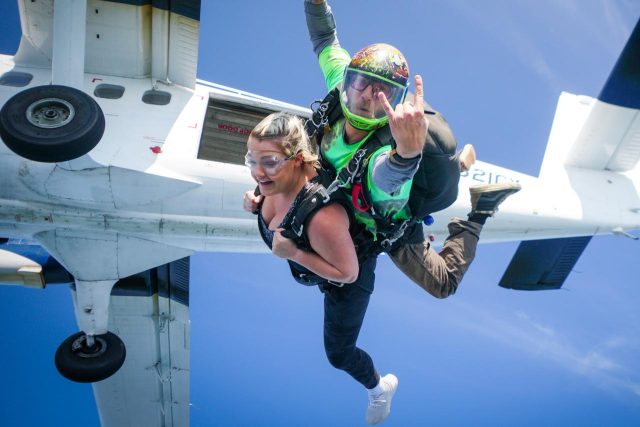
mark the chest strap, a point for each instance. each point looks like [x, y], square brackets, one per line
[325, 114]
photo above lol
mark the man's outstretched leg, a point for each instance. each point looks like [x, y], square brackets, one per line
[441, 273]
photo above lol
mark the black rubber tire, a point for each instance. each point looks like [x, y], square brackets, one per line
[68, 141]
[86, 365]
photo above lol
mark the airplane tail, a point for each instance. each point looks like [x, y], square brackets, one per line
[588, 136]
[602, 133]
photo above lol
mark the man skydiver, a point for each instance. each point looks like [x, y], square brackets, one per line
[372, 86]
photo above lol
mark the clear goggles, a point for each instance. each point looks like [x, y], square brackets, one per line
[270, 164]
[359, 82]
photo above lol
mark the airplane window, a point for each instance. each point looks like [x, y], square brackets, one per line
[109, 91]
[156, 97]
[15, 79]
[226, 129]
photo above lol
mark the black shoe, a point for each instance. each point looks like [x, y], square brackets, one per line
[486, 198]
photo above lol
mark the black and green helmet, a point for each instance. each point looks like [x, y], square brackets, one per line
[381, 67]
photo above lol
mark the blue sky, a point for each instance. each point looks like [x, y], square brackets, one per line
[486, 356]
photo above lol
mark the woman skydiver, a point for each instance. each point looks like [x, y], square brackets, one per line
[323, 253]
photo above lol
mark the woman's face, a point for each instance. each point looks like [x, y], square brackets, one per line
[271, 168]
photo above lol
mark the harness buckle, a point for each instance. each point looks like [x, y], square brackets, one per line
[320, 112]
[335, 184]
[336, 284]
[325, 193]
[403, 227]
[357, 157]
[307, 278]
[297, 232]
[347, 175]
[386, 243]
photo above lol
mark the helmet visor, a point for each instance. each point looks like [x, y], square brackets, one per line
[360, 93]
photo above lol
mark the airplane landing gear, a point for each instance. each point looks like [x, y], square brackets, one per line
[86, 358]
[51, 123]
[93, 354]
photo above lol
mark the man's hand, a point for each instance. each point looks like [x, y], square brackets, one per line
[407, 122]
[251, 202]
[283, 247]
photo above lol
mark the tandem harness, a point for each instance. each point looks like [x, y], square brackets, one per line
[308, 201]
[326, 113]
[312, 198]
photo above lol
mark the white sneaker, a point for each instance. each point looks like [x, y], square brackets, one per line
[380, 404]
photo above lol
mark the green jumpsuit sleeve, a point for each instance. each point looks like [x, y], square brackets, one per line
[391, 205]
[333, 61]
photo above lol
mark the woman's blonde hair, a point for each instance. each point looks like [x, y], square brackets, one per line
[294, 136]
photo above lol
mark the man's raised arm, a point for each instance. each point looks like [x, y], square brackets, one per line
[321, 25]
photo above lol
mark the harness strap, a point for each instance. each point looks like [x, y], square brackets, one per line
[324, 114]
[395, 232]
[256, 192]
[357, 198]
[316, 197]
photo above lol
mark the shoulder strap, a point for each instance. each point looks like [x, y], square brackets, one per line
[324, 114]
[388, 232]
[314, 198]
[354, 171]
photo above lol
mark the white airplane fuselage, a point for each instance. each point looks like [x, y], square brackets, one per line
[144, 179]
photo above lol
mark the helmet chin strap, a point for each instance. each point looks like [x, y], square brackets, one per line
[363, 126]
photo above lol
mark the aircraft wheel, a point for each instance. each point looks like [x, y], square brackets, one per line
[51, 123]
[79, 362]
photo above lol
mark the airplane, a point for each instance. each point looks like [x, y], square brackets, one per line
[122, 167]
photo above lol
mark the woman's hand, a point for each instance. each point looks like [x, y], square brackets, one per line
[251, 202]
[283, 247]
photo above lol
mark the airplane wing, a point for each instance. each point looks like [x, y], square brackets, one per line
[150, 313]
[137, 39]
[145, 40]
[543, 264]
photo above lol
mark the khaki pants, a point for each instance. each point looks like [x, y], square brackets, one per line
[440, 273]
